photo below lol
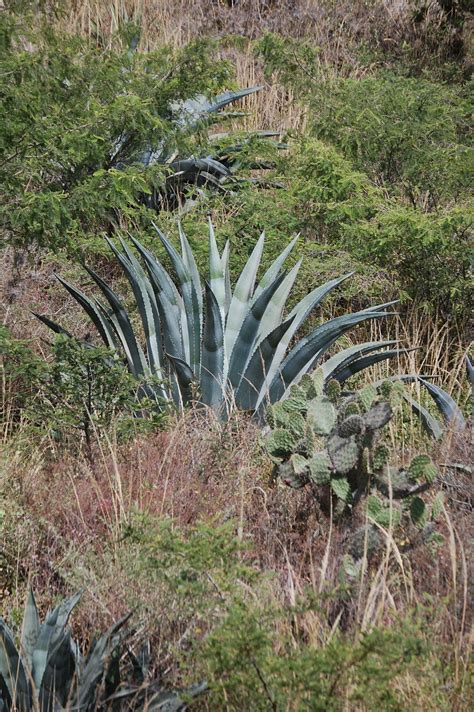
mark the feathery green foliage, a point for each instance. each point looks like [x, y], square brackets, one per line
[126, 132]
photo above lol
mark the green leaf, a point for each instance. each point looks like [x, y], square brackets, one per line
[240, 304]
[12, 672]
[309, 349]
[245, 342]
[386, 516]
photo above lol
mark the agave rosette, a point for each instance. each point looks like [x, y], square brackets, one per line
[218, 345]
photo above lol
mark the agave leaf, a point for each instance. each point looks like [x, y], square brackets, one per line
[300, 312]
[185, 377]
[170, 303]
[172, 335]
[364, 362]
[30, 630]
[431, 424]
[123, 327]
[167, 293]
[191, 302]
[225, 268]
[50, 633]
[304, 355]
[249, 388]
[247, 336]
[241, 300]
[274, 269]
[95, 667]
[446, 404]
[58, 675]
[189, 167]
[311, 300]
[147, 307]
[272, 317]
[102, 324]
[57, 328]
[212, 368]
[216, 272]
[12, 673]
[160, 278]
[192, 111]
[347, 356]
[191, 266]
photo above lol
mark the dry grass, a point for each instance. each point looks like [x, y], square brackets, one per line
[67, 518]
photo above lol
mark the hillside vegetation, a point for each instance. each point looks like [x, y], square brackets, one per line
[236, 355]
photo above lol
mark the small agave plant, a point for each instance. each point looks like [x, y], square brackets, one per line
[47, 672]
[217, 345]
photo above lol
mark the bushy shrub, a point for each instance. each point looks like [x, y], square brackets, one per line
[430, 252]
[80, 394]
[74, 119]
[409, 135]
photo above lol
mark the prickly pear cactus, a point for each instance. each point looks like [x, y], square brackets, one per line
[378, 415]
[352, 425]
[329, 441]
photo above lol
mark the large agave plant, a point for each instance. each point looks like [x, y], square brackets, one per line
[216, 345]
[47, 672]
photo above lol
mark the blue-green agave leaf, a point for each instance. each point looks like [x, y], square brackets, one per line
[212, 367]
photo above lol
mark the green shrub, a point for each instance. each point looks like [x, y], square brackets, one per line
[76, 120]
[409, 135]
[254, 650]
[81, 393]
[430, 252]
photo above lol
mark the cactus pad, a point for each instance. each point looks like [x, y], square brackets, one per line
[306, 384]
[386, 389]
[317, 378]
[378, 415]
[320, 468]
[333, 390]
[418, 513]
[365, 541]
[380, 458]
[293, 472]
[295, 403]
[352, 408]
[322, 415]
[344, 453]
[381, 512]
[353, 425]
[367, 396]
[341, 488]
[277, 416]
[297, 424]
[422, 468]
[280, 443]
